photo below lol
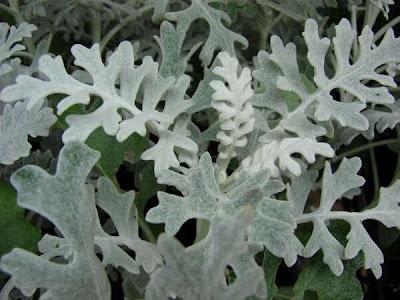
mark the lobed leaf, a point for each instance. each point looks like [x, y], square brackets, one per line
[202, 198]
[348, 77]
[334, 186]
[69, 204]
[276, 157]
[9, 38]
[16, 124]
[220, 38]
[184, 278]
[121, 86]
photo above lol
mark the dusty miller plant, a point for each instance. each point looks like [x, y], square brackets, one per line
[257, 141]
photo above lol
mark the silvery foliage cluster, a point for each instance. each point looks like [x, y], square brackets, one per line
[251, 114]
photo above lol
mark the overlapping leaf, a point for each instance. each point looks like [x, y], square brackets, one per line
[317, 277]
[348, 76]
[220, 38]
[43, 159]
[383, 5]
[379, 118]
[69, 203]
[276, 157]
[299, 10]
[16, 124]
[171, 41]
[277, 145]
[334, 186]
[9, 38]
[202, 198]
[235, 112]
[198, 272]
[121, 86]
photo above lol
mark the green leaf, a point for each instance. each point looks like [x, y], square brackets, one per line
[134, 285]
[147, 188]
[316, 276]
[15, 231]
[113, 152]
[298, 10]
[270, 266]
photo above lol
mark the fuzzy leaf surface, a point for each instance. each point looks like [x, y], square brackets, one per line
[9, 38]
[335, 186]
[68, 202]
[16, 124]
[183, 277]
[348, 76]
[202, 198]
[317, 277]
[121, 86]
[219, 38]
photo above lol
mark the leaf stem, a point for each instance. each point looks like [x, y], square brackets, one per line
[265, 30]
[146, 230]
[396, 175]
[371, 14]
[96, 26]
[112, 4]
[385, 28]
[202, 229]
[354, 10]
[331, 215]
[8, 10]
[283, 296]
[357, 150]
[134, 15]
[375, 174]
[142, 224]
